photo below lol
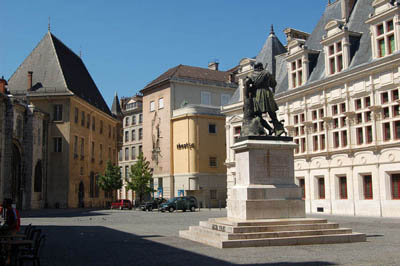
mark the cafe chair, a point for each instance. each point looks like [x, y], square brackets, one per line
[33, 254]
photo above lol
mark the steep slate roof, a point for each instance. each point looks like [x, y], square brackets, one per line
[272, 47]
[190, 73]
[57, 69]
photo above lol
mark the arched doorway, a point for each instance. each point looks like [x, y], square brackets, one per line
[16, 178]
[81, 195]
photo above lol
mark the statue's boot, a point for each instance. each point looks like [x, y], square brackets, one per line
[278, 127]
[267, 126]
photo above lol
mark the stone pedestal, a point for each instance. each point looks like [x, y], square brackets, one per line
[265, 207]
[264, 185]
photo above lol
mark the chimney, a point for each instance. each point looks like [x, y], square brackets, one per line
[213, 66]
[347, 7]
[3, 84]
[29, 80]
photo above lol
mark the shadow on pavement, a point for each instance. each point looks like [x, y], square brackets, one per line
[59, 213]
[102, 246]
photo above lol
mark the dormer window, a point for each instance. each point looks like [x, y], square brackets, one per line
[297, 73]
[385, 38]
[335, 57]
[384, 27]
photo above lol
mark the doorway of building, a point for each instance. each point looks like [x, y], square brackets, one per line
[81, 195]
[16, 178]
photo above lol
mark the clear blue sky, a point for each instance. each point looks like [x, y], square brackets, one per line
[127, 44]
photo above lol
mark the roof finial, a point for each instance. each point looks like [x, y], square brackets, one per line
[272, 29]
[48, 26]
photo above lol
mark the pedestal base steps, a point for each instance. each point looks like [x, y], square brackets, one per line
[228, 233]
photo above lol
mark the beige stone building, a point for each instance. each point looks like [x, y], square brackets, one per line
[82, 132]
[184, 136]
[338, 92]
[132, 120]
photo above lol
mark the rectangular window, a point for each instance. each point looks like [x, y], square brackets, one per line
[88, 121]
[140, 149]
[212, 128]
[160, 103]
[368, 134]
[297, 148]
[126, 136]
[391, 44]
[322, 141]
[302, 117]
[359, 118]
[93, 123]
[315, 127]
[314, 115]
[126, 171]
[58, 112]
[134, 120]
[133, 153]
[368, 191]
[357, 104]
[205, 97]
[75, 146]
[334, 109]
[381, 47]
[343, 187]
[367, 101]
[295, 119]
[336, 139]
[83, 118]
[386, 113]
[343, 121]
[127, 121]
[120, 155]
[321, 126]
[395, 95]
[368, 116]
[344, 138]
[397, 129]
[360, 138]
[212, 162]
[92, 150]
[101, 126]
[109, 131]
[384, 97]
[386, 131]
[302, 185]
[396, 110]
[225, 99]
[140, 118]
[126, 154]
[82, 148]
[133, 135]
[101, 152]
[315, 143]
[152, 107]
[321, 113]
[303, 145]
[140, 133]
[343, 107]
[395, 182]
[76, 115]
[321, 188]
[335, 123]
[213, 194]
[57, 142]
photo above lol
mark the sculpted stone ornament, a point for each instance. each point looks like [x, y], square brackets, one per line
[259, 91]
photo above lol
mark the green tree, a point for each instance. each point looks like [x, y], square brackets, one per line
[111, 180]
[140, 177]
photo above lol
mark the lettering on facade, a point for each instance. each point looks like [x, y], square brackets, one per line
[185, 146]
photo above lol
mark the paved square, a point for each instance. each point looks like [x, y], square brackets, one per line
[114, 237]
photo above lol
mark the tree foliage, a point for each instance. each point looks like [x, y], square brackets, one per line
[111, 180]
[140, 177]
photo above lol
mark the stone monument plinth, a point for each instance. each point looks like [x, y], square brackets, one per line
[265, 206]
[264, 186]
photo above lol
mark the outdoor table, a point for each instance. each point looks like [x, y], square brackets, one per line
[15, 243]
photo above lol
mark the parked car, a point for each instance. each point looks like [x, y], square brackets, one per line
[152, 204]
[179, 203]
[122, 204]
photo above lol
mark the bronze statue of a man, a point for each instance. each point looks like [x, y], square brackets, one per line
[259, 99]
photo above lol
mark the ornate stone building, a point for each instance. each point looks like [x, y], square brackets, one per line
[184, 134]
[82, 132]
[338, 92]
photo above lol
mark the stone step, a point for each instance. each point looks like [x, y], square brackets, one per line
[282, 234]
[299, 240]
[266, 222]
[272, 228]
[198, 237]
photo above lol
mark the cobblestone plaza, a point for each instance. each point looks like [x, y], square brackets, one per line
[114, 237]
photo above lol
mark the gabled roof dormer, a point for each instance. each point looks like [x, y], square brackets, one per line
[300, 62]
[384, 27]
[339, 46]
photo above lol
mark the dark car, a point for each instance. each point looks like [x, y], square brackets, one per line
[152, 204]
[122, 204]
[179, 203]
